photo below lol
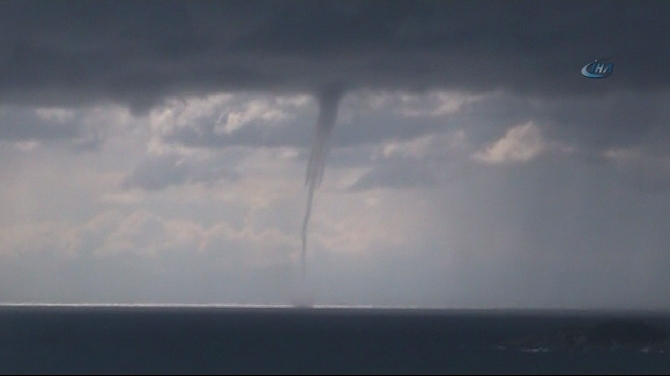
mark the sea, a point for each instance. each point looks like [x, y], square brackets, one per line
[284, 340]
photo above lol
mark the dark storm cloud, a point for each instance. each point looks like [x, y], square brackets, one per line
[140, 52]
[614, 120]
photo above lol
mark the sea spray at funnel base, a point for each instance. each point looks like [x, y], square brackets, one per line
[328, 100]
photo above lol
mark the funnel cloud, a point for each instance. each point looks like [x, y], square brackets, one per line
[328, 100]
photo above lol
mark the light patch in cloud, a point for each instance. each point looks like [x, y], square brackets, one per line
[109, 233]
[141, 232]
[250, 246]
[26, 146]
[431, 145]
[178, 113]
[100, 124]
[521, 143]
[425, 161]
[624, 156]
[263, 110]
[220, 116]
[340, 228]
[50, 237]
[158, 173]
[56, 114]
[83, 129]
[639, 168]
[437, 104]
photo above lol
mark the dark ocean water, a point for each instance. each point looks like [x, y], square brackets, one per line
[280, 340]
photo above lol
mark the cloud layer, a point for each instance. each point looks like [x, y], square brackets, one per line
[139, 53]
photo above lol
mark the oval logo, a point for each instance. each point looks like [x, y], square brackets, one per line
[597, 69]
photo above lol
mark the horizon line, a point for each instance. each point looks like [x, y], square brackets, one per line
[322, 306]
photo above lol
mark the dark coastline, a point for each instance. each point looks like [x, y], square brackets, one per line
[179, 340]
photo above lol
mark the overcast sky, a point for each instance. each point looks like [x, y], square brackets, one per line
[155, 152]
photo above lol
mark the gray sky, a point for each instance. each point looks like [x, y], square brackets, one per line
[155, 152]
